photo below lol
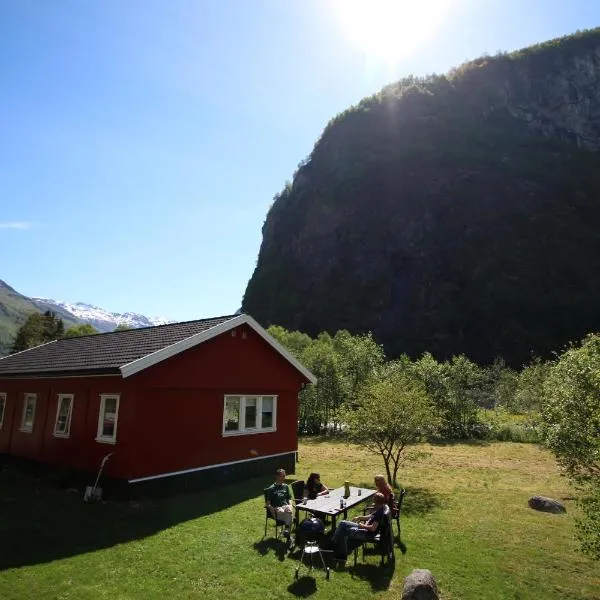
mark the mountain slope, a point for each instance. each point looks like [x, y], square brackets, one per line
[449, 214]
[14, 310]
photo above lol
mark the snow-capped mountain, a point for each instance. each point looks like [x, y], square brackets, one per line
[103, 320]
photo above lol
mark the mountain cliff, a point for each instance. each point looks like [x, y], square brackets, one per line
[456, 213]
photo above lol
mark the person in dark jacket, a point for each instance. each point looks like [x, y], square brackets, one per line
[360, 528]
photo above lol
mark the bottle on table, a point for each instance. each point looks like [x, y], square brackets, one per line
[346, 489]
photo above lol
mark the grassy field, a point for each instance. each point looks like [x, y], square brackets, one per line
[466, 518]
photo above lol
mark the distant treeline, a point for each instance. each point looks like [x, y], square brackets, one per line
[472, 400]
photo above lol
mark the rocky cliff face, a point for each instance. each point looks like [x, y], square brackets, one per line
[450, 214]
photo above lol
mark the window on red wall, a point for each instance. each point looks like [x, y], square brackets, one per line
[28, 416]
[108, 418]
[249, 414]
[62, 424]
[2, 407]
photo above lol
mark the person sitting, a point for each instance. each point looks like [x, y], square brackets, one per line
[278, 501]
[315, 487]
[386, 489]
[360, 528]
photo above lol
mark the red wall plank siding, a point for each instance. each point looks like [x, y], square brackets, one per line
[181, 399]
[80, 450]
[170, 415]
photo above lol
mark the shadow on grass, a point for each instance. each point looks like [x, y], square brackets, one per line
[304, 587]
[417, 502]
[44, 523]
[267, 545]
[459, 442]
[379, 577]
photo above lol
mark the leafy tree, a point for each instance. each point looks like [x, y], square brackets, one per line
[530, 385]
[499, 386]
[79, 330]
[571, 410]
[38, 329]
[391, 415]
[122, 327]
[459, 409]
[571, 419]
[360, 357]
[294, 341]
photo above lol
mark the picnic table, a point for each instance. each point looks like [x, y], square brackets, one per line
[329, 504]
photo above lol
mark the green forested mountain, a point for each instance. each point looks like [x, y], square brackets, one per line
[454, 213]
[14, 310]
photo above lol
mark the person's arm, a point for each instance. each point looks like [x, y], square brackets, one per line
[324, 491]
[370, 526]
[361, 518]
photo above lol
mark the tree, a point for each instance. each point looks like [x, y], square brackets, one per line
[38, 329]
[391, 415]
[122, 327]
[571, 425]
[530, 385]
[79, 330]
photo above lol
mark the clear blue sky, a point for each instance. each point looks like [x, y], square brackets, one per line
[142, 141]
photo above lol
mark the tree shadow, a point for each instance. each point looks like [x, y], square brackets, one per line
[40, 523]
[419, 501]
[460, 442]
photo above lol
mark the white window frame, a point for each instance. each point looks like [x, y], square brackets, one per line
[3, 403]
[242, 430]
[26, 398]
[104, 439]
[67, 432]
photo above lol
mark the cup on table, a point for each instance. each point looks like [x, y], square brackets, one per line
[359, 492]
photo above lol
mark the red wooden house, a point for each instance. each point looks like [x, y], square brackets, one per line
[203, 399]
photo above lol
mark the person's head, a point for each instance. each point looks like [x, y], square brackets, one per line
[280, 476]
[313, 479]
[380, 483]
[378, 499]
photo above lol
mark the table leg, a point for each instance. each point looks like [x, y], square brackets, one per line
[333, 518]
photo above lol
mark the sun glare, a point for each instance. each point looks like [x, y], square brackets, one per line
[391, 29]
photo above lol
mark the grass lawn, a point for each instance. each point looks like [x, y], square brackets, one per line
[466, 518]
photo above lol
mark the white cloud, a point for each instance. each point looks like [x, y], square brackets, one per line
[20, 225]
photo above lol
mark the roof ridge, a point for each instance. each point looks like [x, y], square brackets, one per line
[87, 335]
[27, 349]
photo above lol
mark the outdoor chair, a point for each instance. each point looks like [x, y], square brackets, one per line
[382, 542]
[395, 507]
[298, 490]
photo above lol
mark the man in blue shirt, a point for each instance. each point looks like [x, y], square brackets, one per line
[360, 528]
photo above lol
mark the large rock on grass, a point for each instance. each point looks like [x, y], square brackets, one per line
[546, 504]
[420, 585]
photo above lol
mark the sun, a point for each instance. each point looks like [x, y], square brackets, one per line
[390, 29]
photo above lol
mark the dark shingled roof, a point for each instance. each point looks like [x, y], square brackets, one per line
[102, 353]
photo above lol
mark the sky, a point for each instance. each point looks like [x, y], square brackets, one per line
[142, 142]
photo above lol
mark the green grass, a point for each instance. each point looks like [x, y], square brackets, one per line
[466, 518]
